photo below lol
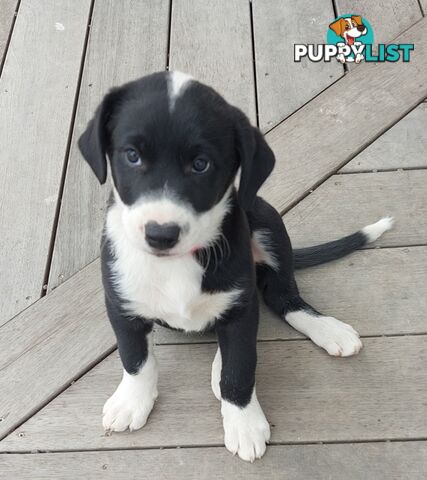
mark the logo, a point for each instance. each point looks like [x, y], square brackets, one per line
[350, 38]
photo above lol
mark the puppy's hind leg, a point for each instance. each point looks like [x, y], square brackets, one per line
[275, 276]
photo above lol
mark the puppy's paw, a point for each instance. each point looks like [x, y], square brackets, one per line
[128, 407]
[336, 337]
[121, 412]
[246, 430]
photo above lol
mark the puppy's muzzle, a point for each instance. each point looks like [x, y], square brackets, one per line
[162, 236]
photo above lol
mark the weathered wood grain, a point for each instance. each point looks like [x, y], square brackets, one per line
[7, 14]
[36, 104]
[283, 85]
[319, 138]
[403, 146]
[307, 396]
[378, 292]
[360, 461]
[345, 203]
[49, 344]
[212, 41]
[388, 18]
[117, 53]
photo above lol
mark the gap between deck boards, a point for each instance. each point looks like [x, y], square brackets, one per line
[210, 446]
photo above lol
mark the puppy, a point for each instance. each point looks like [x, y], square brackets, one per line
[184, 248]
[349, 29]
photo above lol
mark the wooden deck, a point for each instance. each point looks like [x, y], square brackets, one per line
[351, 146]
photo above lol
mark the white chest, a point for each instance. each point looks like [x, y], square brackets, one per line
[167, 288]
[170, 290]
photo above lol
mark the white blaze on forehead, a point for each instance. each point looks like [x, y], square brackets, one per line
[177, 83]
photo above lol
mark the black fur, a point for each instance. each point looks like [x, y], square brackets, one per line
[326, 252]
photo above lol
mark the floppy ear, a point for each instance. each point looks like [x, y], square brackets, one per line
[94, 141]
[256, 161]
[338, 26]
[357, 19]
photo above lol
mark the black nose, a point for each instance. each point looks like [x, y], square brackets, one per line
[361, 28]
[162, 236]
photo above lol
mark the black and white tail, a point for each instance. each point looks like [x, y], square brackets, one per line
[326, 252]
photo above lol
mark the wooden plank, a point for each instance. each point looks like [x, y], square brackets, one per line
[307, 395]
[388, 18]
[36, 104]
[49, 344]
[316, 141]
[345, 203]
[364, 290]
[361, 461]
[211, 40]
[115, 55]
[403, 146]
[284, 85]
[7, 15]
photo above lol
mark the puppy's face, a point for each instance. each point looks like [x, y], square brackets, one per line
[174, 147]
[172, 160]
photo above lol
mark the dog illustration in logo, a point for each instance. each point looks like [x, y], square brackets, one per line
[349, 29]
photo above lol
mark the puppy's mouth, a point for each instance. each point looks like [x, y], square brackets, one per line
[165, 253]
[170, 254]
[160, 253]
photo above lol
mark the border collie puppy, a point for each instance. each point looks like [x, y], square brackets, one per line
[184, 248]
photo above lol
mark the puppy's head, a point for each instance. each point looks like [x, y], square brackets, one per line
[349, 28]
[174, 146]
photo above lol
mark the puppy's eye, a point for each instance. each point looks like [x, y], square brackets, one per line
[132, 156]
[200, 165]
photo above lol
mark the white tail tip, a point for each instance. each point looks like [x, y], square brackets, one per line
[374, 231]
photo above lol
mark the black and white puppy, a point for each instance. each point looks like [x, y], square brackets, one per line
[182, 247]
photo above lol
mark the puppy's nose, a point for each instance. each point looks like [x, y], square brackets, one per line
[162, 236]
[361, 28]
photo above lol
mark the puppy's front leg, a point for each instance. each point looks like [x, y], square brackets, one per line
[246, 430]
[133, 400]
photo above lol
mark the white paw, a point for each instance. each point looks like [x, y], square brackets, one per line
[246, 430]
[337, 338]
[216, 374]
[130, 405]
